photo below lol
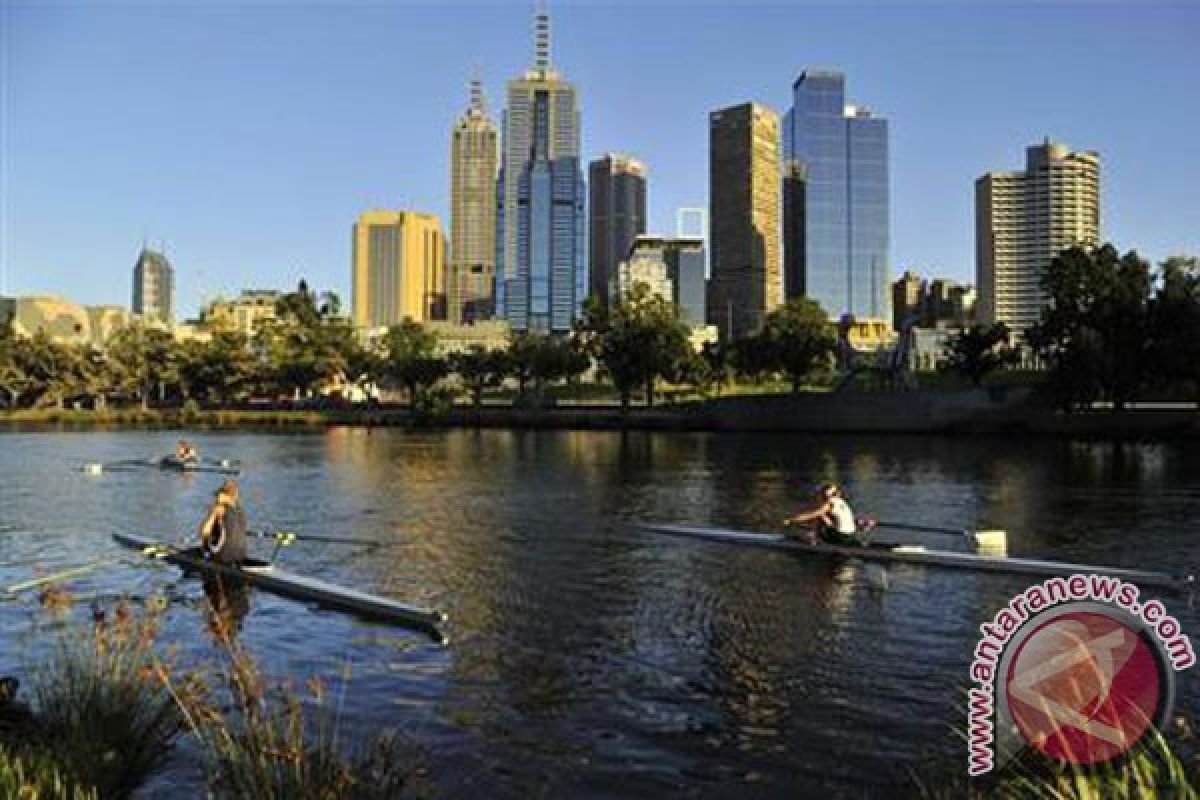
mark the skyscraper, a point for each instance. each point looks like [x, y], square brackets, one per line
[540, 220]
[154, 287]
[617, 213]
[1023, 220]
[744, 181]
[399, 268]
[474, 153]
[680, 262]
[841, 246]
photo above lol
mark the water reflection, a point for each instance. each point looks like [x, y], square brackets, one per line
[587, 658]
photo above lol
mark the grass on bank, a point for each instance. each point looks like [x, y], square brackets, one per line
[110, 704]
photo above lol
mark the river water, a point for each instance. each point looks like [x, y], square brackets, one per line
[588, 659]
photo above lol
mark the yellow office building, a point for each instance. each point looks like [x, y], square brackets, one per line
[399, 268]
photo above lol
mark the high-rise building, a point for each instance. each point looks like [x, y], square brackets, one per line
[1023, 220]
[908, 300]
[617, 213]
[793, 228]
[399, 268]
[540, 220]
[744, 181]
[154, 287]
[841, 246]
[674, 263]
[474, 156]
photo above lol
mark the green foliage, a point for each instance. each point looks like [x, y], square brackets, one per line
[796, 340]
[480, 369]
[1175, 325]
[410, 360]
[221, 370]
[307, 345]
[1094, 332]
[37, 776]
[637, 341]
[144, 361]
[979, 351]
[100, 710]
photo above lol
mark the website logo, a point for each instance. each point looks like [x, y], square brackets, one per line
[1076, 668]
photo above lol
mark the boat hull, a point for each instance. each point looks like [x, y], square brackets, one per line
[937, 558]
[296, 587]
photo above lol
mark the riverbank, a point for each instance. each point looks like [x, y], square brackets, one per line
[947, 412]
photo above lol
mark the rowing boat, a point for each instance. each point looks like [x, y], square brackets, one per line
[296, 587]
[907, 554]
[177, 464]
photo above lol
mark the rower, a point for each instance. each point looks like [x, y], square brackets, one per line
[835, 522]
[185, 452]
[223, 532]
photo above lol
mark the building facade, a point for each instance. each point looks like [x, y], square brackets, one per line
[744, 218]
[242, 313]
[616, 214]
[399, 268]
[474, 161]
[540, 219]
[63, 321]
[839, 231]
[154, 287]
[908, 300]
[1023, 220]
[680, 262]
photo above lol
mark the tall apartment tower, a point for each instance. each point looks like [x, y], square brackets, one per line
[399, 268]
[908, 300]
[839, 241]
[1023, 220]
[744, 218]
[154, 287]
[474, 157]
[617, 214]
[540, 219]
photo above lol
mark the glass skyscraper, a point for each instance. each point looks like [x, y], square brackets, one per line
[839, 242]
[540, 219]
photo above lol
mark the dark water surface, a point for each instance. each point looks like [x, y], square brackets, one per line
[588, 659]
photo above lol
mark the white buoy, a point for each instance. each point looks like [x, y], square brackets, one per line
[877, 578]
[991, 543]
[93, 468]
[225, 463]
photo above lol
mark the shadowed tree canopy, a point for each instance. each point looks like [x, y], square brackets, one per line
[979, 351]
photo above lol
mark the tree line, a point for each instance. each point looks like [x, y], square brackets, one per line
[635, 345]
[1113, 329]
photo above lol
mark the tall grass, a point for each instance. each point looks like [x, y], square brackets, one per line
[99, 709]
[266, 742]
[1153, 769]
[36, 776]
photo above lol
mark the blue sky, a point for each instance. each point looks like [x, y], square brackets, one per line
[247, 136]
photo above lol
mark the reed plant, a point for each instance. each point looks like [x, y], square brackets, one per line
[32, 775]
[99, 709]
[271, 742]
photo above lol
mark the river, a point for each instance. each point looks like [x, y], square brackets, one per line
[588, 659]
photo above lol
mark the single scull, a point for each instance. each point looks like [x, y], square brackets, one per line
[296, 587]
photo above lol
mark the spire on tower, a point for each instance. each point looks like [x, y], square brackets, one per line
[541, 36]
[478, 101]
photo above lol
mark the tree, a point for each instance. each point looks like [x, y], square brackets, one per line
[221, 370]
[480, 369]
[638, 340]
[1094, 329]
[143, 360]
[978, 351]
[307, 346]
[796, 339]
[1175, 324]
[410, 360]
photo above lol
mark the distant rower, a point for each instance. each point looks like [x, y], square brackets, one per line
[186, 452]
[835, 522]
[223, 532]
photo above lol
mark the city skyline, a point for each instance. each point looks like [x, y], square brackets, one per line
[146, 188]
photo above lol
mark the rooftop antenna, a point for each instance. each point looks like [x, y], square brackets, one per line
[541, 36]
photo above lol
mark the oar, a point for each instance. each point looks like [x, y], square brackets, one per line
[991, 540]
[74, 572]
[287, 537]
